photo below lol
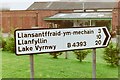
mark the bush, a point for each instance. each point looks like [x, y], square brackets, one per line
[81, 54]
[55, 54]
[111, 55]
[2, 41]
[9, 44]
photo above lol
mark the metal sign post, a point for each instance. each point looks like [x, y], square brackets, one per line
[32, 57]
[32, 67]
[66, 55]
[94, 64]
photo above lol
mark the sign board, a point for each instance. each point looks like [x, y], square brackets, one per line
[32, 41]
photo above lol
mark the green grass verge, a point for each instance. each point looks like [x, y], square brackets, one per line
[0, 64]
[46, 67]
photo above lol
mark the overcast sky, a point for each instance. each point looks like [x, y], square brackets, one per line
[24, 4]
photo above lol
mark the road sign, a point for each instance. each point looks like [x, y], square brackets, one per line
[33, 41]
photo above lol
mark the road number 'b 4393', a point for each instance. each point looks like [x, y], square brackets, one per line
[76, 44]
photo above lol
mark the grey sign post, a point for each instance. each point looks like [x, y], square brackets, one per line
[32, 56]
[32, 67]
[94, 64]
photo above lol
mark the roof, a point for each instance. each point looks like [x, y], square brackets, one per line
[78, 16]
[70, 5]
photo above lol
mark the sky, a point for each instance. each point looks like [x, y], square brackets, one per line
[18, 4]
[24, 4]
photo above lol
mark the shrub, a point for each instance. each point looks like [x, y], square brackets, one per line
[111, 55]
[81, 54]
[55, 54]
[2, 41]
[9, 44]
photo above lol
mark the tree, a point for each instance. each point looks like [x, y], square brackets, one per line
[111, 55]
[9, 44]
[81, 54]
[55, 54]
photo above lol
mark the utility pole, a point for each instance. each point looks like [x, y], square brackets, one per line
[83, 5]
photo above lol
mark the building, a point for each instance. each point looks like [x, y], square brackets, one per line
[55, 15]
[116, 16]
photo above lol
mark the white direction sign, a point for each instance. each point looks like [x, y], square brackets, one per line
[32, 41]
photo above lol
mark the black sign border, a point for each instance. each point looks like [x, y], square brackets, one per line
[55, 51]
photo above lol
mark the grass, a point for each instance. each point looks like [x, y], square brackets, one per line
[46, 67]
[0, 64]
